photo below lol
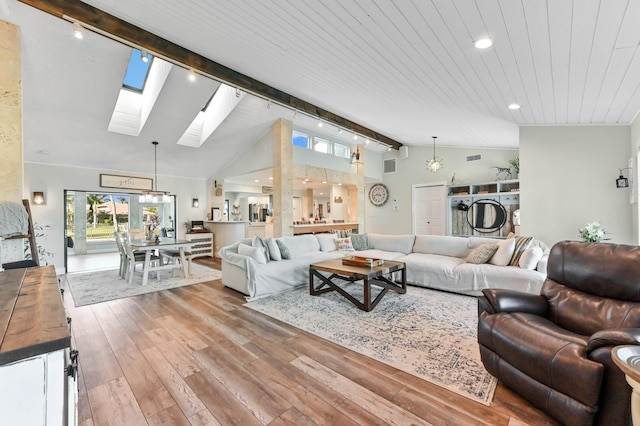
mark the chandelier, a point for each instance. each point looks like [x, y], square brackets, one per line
[434, 164]
[155, 196]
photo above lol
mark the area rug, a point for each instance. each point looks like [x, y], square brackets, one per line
[88, 288]
[426, 333]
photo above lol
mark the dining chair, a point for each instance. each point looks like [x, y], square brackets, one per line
[173, 256]
[123, 254]
[135, 258]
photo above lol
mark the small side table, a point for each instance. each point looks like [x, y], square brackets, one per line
[628, 359]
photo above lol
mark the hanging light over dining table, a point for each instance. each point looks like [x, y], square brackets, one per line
[155, 196]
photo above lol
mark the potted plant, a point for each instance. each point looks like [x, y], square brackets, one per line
[514, 163]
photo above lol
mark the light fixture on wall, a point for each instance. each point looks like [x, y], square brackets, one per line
[435, 163]
[195, 203]
[155, 196]
[38, 197]
[622, 182]
[355, 156]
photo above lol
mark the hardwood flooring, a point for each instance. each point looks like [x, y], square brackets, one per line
[195, 356]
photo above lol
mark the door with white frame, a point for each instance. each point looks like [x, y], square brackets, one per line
[429, 209]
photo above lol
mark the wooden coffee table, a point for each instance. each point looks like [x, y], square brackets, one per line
[368, 275]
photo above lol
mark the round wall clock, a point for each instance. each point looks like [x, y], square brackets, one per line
[378, 194]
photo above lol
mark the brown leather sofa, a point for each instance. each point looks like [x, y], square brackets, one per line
[554, 349]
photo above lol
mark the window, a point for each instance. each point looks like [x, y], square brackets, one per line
[320, 145]
[340, 150]
[137, 71]
[300, 139]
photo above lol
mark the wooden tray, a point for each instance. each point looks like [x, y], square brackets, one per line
[362, 261]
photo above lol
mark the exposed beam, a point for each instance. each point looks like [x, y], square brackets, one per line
[124, 32]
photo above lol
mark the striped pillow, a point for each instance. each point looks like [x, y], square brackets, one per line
[522, 243]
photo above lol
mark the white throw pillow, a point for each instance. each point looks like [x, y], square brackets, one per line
[256, 253]
[344, 244]
[259, 242]
[327, 242]
[504, 253]
[274, 250]
[530, 258]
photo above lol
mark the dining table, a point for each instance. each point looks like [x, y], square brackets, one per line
[149, 246]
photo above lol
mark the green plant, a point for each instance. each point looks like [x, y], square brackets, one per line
[514, 163]
[592, 233]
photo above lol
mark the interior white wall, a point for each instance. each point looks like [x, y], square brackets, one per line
[635, 150]
[567, 179]
[53, 180]
[413, 170]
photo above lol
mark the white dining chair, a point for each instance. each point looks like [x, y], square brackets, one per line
[136, 258]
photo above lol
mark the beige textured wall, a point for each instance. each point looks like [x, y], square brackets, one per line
[11, 175]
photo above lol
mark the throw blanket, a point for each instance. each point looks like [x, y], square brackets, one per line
[14, 219]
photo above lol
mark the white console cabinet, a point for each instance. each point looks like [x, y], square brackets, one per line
[203, 244]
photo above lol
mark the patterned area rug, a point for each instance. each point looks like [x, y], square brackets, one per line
[88, 288]
[426, 333]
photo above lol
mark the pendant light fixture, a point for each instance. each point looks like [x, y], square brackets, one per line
[155, 196]
[434, 164]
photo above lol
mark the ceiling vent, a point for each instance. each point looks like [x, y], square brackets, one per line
[389, 166]
[474, 157]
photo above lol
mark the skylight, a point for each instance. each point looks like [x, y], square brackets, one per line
[137, 71]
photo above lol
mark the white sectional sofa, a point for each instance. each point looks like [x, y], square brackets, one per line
[432, 261]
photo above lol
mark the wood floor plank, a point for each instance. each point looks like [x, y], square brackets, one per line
[292, 417]
[225, 407]
[263, 403]
[99, 365]
[204, 418]
[373, 403]
[308, 404]
[179, 390]
[171, 416]
[113, 403]
[150, 392]
[180, 358]
[182, 332]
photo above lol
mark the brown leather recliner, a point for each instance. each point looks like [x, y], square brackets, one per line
[554, 349]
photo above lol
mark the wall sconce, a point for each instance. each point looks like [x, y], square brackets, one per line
[355, 156]
[38, 198]
[622, 182]
[195, 203]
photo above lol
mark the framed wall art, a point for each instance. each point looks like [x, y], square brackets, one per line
[126, 182]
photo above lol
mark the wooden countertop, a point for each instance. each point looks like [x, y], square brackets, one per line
[32, 316]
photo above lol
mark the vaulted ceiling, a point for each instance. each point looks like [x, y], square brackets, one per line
[405, 69]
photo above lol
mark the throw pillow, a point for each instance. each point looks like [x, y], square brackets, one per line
[274, 251]
[259, 242]
[344, 244]
[256, 253]
[530, 258]
[482, 253]
[504, 252]
[341, 233]
[360, 241]
[326, 242]
[284, 251]
[522, 243]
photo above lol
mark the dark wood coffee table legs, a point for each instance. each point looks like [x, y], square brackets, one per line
[327, 284]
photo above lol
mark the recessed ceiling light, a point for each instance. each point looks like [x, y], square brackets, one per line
[270, 177]
[256, 180]
[367, 141]
[192, 76]
[77, 31]
[483, 43]
[319, 123]
[355, 137]
[514, 106]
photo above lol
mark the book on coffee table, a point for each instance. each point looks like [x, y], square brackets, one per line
[362, 261]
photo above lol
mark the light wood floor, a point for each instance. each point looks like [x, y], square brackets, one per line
[195, 356]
